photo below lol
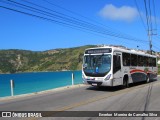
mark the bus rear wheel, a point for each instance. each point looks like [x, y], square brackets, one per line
[147, 78]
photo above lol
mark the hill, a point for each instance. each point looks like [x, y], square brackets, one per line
[14, 60]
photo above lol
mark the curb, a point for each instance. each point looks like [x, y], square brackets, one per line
[42, 92]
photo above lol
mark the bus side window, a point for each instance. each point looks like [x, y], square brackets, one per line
[133, 60]
[126, 59]
[140, 60]
[154, 62]
[146, 61]
[150, 61]
[116, 63]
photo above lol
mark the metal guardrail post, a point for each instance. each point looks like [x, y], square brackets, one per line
[12, 87]
[72, 78]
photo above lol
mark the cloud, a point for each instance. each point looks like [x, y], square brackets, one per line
[124, 13]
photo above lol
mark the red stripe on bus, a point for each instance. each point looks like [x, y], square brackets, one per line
[136, 70]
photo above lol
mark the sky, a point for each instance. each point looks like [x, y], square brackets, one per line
[21, 31]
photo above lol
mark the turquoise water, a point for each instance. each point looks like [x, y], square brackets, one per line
[34, 82]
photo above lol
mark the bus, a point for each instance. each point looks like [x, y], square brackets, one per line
[117, 66]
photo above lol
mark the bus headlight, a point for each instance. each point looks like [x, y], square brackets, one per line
[108, 77]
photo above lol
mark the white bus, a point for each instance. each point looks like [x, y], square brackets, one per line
[114, 66]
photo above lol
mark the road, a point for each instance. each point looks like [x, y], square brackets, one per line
[139, 97]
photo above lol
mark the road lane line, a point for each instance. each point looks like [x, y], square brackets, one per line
[97, 98]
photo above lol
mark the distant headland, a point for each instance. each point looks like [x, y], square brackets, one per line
[16, 61]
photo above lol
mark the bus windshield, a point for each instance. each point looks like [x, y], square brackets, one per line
[97, 65]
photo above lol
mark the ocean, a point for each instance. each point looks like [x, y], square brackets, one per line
[37, 81]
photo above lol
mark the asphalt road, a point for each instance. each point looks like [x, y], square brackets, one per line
[139, 97]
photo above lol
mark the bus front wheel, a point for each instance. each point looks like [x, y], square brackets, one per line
[125, 82]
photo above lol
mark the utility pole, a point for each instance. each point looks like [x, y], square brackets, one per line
[150, 40]
[150, 33]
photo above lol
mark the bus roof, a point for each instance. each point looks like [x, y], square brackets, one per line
[124, 49]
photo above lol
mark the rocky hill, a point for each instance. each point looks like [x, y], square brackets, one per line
[13, 60]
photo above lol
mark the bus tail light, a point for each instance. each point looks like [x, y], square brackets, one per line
[108, 77]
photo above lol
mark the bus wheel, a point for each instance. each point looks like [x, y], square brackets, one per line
[147, 78]
[125, 82]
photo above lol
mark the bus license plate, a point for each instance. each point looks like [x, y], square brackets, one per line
[94, 84]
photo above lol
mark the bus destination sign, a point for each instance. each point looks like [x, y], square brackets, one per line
[96, 51]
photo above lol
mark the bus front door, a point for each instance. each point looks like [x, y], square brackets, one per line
[117, 72]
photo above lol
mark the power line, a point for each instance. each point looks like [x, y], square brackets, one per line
[44, 18]
[34, 15]
[140, 14]
[146, 14]
[150, 16]
[89, 26]
[77, 14]
[118, 32]
[50, 20]
[64, 14]
[155, 44]
[155, 19]
[150, 21]
[61, 23]
[41, 12]
[147, 19]
[156, 47]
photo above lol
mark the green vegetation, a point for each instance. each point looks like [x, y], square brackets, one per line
[12, 61]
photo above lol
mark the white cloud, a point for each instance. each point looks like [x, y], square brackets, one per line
[124, 13]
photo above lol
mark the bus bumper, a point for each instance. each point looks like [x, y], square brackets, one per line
[98, 83]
